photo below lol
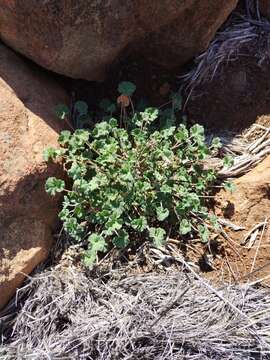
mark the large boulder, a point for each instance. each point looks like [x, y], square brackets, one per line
[81, 38]
[27, 126]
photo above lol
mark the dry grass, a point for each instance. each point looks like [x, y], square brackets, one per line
[68, 315]
[239, 35]
[246, 149]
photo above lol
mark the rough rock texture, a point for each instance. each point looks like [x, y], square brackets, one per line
[250, 203]
[27, 126]
[248, 206]
[81, 38]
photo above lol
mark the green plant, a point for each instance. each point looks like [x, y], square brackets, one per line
[76, 118]
[134, 184]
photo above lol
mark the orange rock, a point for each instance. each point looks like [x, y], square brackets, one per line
[248, 206]
[27, 126]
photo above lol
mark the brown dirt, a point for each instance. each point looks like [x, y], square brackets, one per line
[249, 205]
[235, 98]
[226, 261]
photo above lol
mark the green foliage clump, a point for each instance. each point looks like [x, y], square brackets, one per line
[135, 183]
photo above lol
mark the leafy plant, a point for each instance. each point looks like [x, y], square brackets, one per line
[77, 117]
[135, 183]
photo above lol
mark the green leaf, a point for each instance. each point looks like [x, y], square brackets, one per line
[62, 111]
[181, 133]
[162, 213]
[82, 120]
[101, 129]
[185, 227]
[81, 107]
[197, 132]
[204, 233]
[126, 88]
[104, 104]
[158, 235]
[89, 258]
[64, 137]
[54, 186]
[229, 186]
[166, 189]
[81, 136]
[228, 161]
[114, 124]
[139, 224]
[107, 106]
[168, 132]
[149, 115]
[214, 222]
[49, 154]
[121, 240]
[139, 136]
[97, 242]
[73, 228]
[64, 214]
[216, 143]
[113, 224]
[77, 171]
[168, 117]
[94, 184]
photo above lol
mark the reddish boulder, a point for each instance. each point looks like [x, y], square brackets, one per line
[27, 126]
[82, 38]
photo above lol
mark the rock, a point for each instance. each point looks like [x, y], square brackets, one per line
[27, 126]
[250, 203]
[248, 259]
[187, 35]
[82, 38]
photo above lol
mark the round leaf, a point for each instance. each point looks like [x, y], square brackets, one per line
[185, 227]
[61, 111]
[158, 235]
[81, 107]
[126, 88]
[54, 185]
[121, 240]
